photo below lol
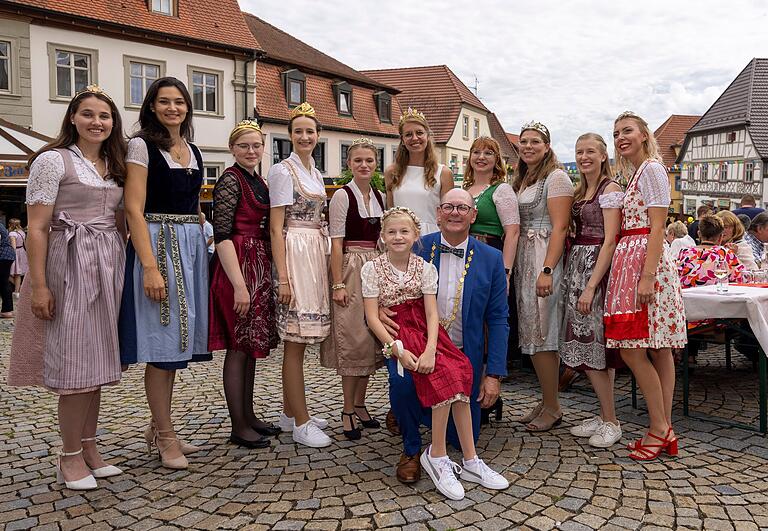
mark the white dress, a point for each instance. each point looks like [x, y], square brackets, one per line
[423, 201]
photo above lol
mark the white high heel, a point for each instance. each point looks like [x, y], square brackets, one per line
[104, 471]
[86, 483]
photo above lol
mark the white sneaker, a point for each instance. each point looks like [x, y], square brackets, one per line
[476, 471]
[607, 435]
[443, 473]
[309, 434]
[287, 423]
[587, 428]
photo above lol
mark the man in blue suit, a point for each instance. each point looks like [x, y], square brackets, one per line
[477, 310]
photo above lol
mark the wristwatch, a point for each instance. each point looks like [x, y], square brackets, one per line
[546, 270]
[494, 376]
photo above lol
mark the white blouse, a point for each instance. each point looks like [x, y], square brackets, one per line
[371, 280]
[280, 181]
[653, 184]
[339, 206]
[558, 185]
[47, 170]
[505, 199]
[423, 201]
[138, 154]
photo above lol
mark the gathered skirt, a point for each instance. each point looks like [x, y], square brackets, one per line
[351, 347]
[256, 333]
[306, 319]
[143, 337]
[453, 375]
[77, 351]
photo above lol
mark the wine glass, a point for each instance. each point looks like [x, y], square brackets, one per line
[721, 273]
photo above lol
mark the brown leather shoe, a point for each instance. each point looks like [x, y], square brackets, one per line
[391, 421]
[409, 469]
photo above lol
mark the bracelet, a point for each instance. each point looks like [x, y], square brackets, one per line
[387, 350]
[338, 286]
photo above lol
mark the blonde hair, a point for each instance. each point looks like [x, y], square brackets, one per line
[731, 220]
[523, 178]
[605, 167]
[235, 134]
[402, 156]
[362, 145]
[393, 213]
[14, 224]
[499, 171]
[650, 147]
[678, 229]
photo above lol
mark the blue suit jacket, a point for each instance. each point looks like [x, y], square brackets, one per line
[484, 308]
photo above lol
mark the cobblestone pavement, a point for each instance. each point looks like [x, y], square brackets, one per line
[719, 481]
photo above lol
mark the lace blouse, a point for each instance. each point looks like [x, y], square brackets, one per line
[226, 197]
[395, 286]
[47, 170]
[653, 184]
[505, 199]
[339, 205]
[558, 185]
[138, 154]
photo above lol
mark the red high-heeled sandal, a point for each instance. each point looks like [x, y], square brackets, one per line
[650, 451]
[632, 445]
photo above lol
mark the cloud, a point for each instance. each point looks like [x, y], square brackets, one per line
[572, 65]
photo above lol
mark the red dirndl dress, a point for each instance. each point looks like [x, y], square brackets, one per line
[256, 333]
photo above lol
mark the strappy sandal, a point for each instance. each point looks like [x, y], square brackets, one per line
[370, 423]
[557, 418]
[650, 451]
[164, 443]
[353, 434]
[534, 413]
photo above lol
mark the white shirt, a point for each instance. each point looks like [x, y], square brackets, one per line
[138, 154]
[208, 232]
[280, 181]
[451, 271]
[412, 194]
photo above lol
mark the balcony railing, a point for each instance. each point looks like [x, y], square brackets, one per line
[724, 189]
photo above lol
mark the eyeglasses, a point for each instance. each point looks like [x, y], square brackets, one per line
[248, 147]
[448, 208]
[487, 154]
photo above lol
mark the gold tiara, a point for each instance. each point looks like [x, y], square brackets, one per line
[413, 114]
[367, 142]
[305, 109]
[93, 89]
[629, 114]
[536, 126]
[402, 210]
[245, 124]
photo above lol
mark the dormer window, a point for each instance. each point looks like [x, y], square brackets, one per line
[295, 87]
[342, 92]
[164, 7]
[384, 106]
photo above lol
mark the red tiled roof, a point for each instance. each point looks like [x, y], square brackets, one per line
[283, 47]
[216, 22]
[272, 105]
[433, 90]
[672, 133]
[508, 150]
[514, 139]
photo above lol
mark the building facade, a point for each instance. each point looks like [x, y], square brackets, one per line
[670, 137]
[725, 154]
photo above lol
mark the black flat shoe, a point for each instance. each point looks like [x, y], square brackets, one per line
[495, 410]
[267, 430]
[371, 423]
[258, 443]
[353, 434]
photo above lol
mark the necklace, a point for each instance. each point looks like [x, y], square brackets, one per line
[178, 154]
[448, 321]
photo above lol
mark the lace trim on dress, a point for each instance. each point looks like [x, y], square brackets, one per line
[612, 200]
[653, 184]
[505, 199]
[46, 173]
[458, 397]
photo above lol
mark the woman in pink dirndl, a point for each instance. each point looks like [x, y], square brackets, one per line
[644, 313]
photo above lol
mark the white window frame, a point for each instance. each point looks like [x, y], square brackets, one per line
[93, 71]
[723, 173]
[191, 71]
[465, 126]
[476, 128]
[159, 9]
[14, 88]
[218, 166]
[749, 171]
[127, 61]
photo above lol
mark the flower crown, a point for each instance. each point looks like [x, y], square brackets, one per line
[536, 126]
[401, 210]
[629, 114]
[305, 109]
[413, 114]
[243, 125]
[93, 89]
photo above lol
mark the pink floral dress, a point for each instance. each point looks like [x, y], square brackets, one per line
[697, 266]
[660, 324]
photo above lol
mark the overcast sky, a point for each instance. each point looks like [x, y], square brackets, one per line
[573, 65]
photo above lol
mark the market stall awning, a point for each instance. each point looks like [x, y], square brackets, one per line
[17, 143]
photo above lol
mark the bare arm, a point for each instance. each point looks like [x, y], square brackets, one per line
[276, 222]
[371, 305]
[39, 219]
[446, 181]
[135, 198]
[657, 216]
[559, 209]
[340, 296]
[511, 236]
[388, 185]
[12, 239]
[611, 225]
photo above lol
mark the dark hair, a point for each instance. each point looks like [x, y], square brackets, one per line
[748, 200]
[151, 128]
[758, 221]
[710, 227]
[290, 124]
[703, 209]
[522, 178]
[114, 148]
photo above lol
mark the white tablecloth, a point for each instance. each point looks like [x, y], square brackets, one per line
[741, 302]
